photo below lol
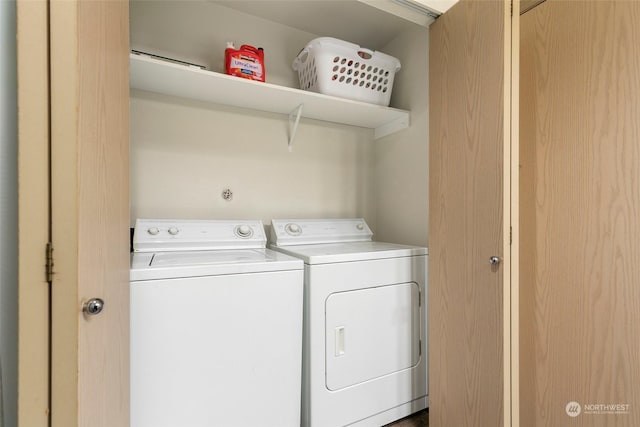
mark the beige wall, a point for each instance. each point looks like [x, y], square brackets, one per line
[401, 160]
[184, 153]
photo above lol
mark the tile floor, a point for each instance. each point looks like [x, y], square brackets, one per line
[420, 419]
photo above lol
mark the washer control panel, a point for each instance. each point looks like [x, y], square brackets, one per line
[152, 235]
[315, 231]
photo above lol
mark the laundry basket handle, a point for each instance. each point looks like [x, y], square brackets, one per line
[300, 59]
[365, 53]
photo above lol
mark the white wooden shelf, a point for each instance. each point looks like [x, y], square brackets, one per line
[189, 82]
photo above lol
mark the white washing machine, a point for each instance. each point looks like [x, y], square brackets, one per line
[216, 327]
[365, 323]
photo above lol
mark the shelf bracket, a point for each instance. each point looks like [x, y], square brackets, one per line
[294, 120]
[391, 127]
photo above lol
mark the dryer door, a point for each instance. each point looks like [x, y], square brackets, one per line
[371, 332]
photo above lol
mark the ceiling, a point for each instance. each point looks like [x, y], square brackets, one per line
[368, 23]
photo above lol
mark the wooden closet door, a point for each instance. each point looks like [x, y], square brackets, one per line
[469, 60]
[89, 58]
[580, 214]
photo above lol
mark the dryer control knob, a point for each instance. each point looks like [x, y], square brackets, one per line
[244, 231]
[360, 227]
[173, 231]
[153, 231]
[293, 229]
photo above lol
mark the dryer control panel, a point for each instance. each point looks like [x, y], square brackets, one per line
[153, 235]
[285, 232]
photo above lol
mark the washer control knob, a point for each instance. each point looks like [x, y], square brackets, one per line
[360, 227]
[293, 229]
[173, 231]
[153, 231]
[244, 231]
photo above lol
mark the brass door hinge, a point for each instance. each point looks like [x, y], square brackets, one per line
[49, 262]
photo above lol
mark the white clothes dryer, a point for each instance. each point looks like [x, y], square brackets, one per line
[365, 323]
[216, 326]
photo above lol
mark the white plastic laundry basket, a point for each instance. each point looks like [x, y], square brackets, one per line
[338, 68]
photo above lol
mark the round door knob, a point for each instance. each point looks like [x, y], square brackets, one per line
[173, 231]
[93, 306]
[494, 260]
[153, 231]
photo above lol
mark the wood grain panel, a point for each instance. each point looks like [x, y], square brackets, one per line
[526, 225]
[512, 207]
[103, 223]
[33, 213]
[580, 212]
[90, 211]
[466, 138]
[64, 214]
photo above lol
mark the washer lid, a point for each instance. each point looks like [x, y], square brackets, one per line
[171, 265]
[347, 252]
